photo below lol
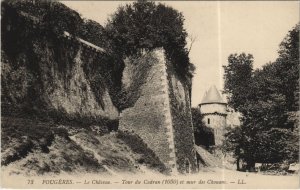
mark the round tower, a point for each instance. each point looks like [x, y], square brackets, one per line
[213, 108]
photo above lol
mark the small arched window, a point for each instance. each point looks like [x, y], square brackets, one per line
[208, 121]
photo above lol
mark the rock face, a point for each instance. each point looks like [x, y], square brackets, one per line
[161, 114]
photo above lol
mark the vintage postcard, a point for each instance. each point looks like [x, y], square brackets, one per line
[149, 94]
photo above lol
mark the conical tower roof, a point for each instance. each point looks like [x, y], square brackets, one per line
[212, 96]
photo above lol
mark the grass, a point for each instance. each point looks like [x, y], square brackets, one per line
[42, 147]
[34, 147]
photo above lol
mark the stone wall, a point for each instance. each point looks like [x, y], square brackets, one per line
[150, 116]
[161, 115]
[182, 122]
[218, 124]
[214, 116]
[73, 92]
[60, 76]
[213, 107]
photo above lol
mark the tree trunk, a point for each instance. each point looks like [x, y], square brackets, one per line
[238, 164]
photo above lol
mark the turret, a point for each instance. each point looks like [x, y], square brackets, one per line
[214, 110]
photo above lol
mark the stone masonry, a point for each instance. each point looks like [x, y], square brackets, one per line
[152, 117]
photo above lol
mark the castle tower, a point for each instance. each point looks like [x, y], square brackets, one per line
[213, 108]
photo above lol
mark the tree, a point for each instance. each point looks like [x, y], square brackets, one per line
[93, 32]
[203, 135]
[288, 71]
[145, 25]
[192, 41]
[238, 76]
[233, 143]
[267, 99]
[59, 18]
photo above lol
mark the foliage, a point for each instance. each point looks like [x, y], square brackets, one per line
[145, 26]
[203, 135]
[53, 18]
[36, 147]
[22, 79]
[93, 32]
[30, 50]
[288, 68]
[33, 146]
[60, 18]
[183, 138]
[268, 100]
[41, 137]
[238, 75]
[52, 15]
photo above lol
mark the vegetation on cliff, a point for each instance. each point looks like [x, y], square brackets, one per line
[37, 58]
[146, 25]
[268, 99]
[133, 29]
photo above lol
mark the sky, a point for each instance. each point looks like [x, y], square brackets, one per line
[220, 28]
